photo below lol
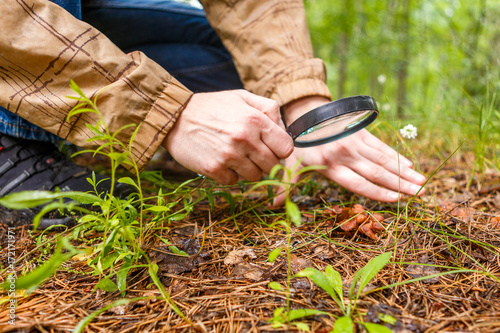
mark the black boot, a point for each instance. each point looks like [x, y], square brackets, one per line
[27, 165]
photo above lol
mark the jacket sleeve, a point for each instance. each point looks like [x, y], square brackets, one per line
[271, 47]
[43, 47]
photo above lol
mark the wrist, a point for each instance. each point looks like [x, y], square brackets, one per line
[296, 108]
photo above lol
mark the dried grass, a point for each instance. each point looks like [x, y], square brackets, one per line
[234, 297]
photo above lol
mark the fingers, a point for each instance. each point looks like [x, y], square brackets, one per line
[248, 170]
[267, 106]
[228, 134]
[277, 140]
[354, 182]
[375, 143]
[372, 173]
[227, 177]
[384, 166]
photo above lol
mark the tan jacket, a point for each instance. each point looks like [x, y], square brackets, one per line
[42, 47]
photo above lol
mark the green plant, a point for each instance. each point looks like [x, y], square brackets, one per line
[285, 315]
[331, 282]
[121, 221]
[487, 132]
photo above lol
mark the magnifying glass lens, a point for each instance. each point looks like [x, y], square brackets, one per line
[333, 127]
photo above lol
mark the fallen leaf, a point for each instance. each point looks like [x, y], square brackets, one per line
[248, 271]
[495, 222]
[324, 252]
[237, 256]
[416, 271]
[356, 218]
[297, 263]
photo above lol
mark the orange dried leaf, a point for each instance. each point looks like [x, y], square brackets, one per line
[345, 214]
[495, 222]
[348, 225]
[377, 226]
[333, 210]
[377, 217]
[367, 230]
[361, 218]
[357, 208]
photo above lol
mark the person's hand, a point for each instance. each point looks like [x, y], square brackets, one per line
[361, 163]
[228, 134]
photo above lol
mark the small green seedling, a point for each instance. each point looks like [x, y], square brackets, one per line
[331, 282]
[281, 317]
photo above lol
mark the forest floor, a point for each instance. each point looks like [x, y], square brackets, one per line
[223, 285]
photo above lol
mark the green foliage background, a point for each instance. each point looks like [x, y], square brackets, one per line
[434, 63]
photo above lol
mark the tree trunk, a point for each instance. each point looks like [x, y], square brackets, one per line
[342, 69]
[404, 56]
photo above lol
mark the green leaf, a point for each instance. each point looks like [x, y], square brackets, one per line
[173, 248]
[76, 88]
[85, 321]
[343, 325]
[183, 185]
[302, 326]
[33, 279]
[229, 199]
[266, 182]
[278, 318]
[322, 281]
[367, 273]
[108, 260]
[132, 137]
[293, 212]
[275, 286]
[311, 168]
[278, 311]
[153, 269]
[354, 282]
[95, 129]
[387, 318]
[210, 197]
[106, 285]
[128, 181]
[78, 110]
[48, 208]
[275, 169]
[178, 216]
[376, 328]
[301, 313]
[121, 158]
[335, 280]
[109, 242]
[159, 209]
[274, 254]
[27, 199]
[81, 197]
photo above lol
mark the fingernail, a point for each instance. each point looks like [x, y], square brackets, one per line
[408, 163]
[415, 188]
[420, 179]
[393, 196]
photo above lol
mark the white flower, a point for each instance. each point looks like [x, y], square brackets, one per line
[381, 78]
[408, 132]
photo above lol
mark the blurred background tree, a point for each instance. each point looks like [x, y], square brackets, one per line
[435, 63]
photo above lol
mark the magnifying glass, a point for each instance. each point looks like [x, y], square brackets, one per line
[333, 121]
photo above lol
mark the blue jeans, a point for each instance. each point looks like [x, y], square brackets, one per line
[175, 35]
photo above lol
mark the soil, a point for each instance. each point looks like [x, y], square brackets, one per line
[222, 286]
